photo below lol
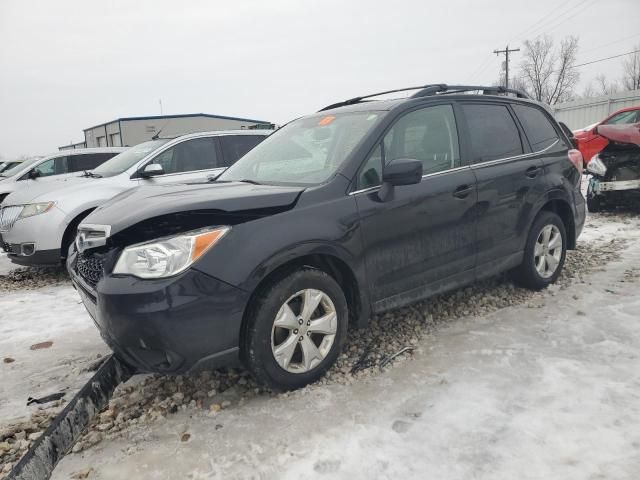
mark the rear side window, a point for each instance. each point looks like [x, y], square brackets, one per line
[189, 156]
[492, 131]
[88, 161]
[537, 127]
[235, 146]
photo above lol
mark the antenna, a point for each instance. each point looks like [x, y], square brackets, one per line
[160, 102]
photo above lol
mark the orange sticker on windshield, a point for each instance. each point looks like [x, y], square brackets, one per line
[326, 120]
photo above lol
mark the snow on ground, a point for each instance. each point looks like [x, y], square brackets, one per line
[548, 389]
[28, 317]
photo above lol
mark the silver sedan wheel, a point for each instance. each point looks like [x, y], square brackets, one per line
[304, 330]
[548, 251]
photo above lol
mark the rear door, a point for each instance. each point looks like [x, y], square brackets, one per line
[509, 180]
[191, 160]
[419, 240]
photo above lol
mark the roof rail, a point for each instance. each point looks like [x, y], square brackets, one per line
[433, 89]
[486, 90]
[351, 101]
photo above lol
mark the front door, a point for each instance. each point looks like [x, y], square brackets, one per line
[420, 239]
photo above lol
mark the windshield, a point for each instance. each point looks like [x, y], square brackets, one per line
[19, 167]
[127, 159]
[307, 151]
[6, 165]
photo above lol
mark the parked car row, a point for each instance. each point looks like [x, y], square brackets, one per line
[38, 222]
[364, 206]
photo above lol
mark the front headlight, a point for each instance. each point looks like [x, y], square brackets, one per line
[32, 209]
[596, 166]
[167, 256]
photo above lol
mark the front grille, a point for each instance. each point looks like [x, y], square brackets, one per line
[8, 216]
[90, 268]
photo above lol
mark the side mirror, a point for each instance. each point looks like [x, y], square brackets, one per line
[33, 174]
[403, 171]
[152, 170]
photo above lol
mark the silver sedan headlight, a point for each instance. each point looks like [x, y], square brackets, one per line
[169, 256]
[32, 209]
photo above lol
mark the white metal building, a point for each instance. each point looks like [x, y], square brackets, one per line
[129, 131]
[587, 111]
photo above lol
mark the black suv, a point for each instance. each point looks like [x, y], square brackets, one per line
[362, 207]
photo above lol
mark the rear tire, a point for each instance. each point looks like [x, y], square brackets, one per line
[544, 252]
[296, 328]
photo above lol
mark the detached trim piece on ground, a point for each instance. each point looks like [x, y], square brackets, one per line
[40, 460]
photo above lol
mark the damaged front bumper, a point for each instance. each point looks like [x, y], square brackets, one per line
[617, 186]
[175, 325]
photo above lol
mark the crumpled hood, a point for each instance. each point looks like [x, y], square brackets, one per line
[48, 191]
[143, 203]
[621, 133]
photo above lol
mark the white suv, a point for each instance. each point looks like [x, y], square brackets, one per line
[38, 224]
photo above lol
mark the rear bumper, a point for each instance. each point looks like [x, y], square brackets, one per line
[176, 325]
[581, 213]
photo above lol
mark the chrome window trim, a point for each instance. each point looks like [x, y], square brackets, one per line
[515, 157]
[428, 175]
[473, 165]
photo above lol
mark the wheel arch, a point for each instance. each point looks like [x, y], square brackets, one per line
[559, 205]
[332, 261]
[71, 226]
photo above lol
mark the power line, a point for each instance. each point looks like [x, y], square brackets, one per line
[535, 26]
[563, 17]
[612, 43]
[603, 59]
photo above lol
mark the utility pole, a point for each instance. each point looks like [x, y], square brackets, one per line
[506, 52]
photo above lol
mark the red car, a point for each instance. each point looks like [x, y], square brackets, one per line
[590, 143]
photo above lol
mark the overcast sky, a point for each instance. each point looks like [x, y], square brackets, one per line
[67, 65]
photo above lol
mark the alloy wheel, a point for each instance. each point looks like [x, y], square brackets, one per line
[548, 251]
[304, 331]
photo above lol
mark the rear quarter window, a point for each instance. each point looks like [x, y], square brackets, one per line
[89, 161]
[492, 131]
[236, 146]
[537, 127]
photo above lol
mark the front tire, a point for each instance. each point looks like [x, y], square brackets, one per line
[544, 252]
[296, 328]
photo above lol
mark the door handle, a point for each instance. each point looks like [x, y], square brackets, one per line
[532, 172]
[462, 191]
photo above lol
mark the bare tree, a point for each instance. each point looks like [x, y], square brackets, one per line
[549, 75]
[604, 87]
[631, 71]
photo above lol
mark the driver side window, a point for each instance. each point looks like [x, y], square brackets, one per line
[428, 135]
[53, 166]
[189, 156]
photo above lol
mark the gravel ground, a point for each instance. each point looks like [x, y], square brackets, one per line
[390, 339]
[32, 278]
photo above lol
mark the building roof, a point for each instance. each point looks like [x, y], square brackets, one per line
[184, 115]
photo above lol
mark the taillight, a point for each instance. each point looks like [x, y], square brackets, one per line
[575, 157]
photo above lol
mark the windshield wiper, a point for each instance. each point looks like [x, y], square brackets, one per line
[246, 180]
[88, 174]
